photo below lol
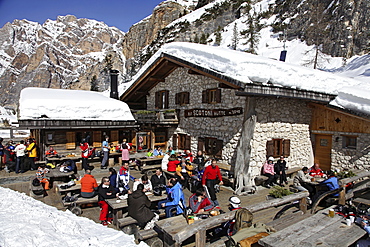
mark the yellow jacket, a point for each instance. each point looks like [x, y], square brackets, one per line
[32, 150]
[188, 167]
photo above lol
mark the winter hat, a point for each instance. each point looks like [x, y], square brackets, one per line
[271, 158]
[234, 201]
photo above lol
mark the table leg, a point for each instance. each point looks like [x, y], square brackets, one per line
[117, 214]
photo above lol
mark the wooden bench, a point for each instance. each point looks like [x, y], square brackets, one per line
[75, 207]
[291, 172]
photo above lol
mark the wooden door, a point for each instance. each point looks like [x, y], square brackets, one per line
[323, 151]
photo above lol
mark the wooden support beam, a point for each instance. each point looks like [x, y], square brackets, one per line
[200, 238]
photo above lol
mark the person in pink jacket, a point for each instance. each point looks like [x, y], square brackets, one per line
[268, 171]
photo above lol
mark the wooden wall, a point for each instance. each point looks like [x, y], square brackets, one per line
[328, 119]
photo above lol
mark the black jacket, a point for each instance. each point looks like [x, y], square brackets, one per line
[280, 165]
[156, 181]
[102, 192]
[138, 207]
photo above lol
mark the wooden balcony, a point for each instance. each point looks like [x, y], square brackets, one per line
[156, 116]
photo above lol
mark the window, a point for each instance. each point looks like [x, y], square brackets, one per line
[211, 96]
[278, 147]
[182, 98]
[213, 147]
[349, 142]
[160, 138]
[183, 141]
[50, 138]
[161, 99]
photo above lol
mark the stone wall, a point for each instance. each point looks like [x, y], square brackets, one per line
[341, 157]
[276, 118]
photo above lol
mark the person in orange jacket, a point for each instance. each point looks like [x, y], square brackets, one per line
[88, 185]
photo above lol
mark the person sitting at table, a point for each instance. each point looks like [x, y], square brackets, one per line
[157, 151]
[51, 153]
[172, 163]
[301, 181]
[364, 224]
[139, 208]
[199, 202]
[269, 171]
[188, 156]
[199, 160]
[105, 191]
[158, 181]
[88, 185]
[123, 178]
[280, 167]
[171, 151]
[40, 175]
[331, 182]
[149, 153]
[175, 202]
[315, 171]
[184, 171]
[113, 177]
[145, 181]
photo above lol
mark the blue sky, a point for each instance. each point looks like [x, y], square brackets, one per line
[119, 13]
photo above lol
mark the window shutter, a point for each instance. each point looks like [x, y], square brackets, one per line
[201, 144]
[286, 147]
[270, 148]
[219, 146]
[157, 97]
[97, 139]
[187, 142]
[205, 96]
[177, 98]
[114, 137]
[166, 95]
[174, 142]
[218, 95]
[187, 97]
[71, 140]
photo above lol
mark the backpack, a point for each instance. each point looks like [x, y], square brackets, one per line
[243, 219]
[36, 182]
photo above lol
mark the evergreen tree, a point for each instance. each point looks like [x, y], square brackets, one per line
[218, 36]
[196, 38]
[94, 84]
[203, 39]
[252, 33]
[235, 38]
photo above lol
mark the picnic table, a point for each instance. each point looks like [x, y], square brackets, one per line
[118, 205]
[316, 230]
[145, 161]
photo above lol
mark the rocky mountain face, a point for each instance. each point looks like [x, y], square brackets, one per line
[66, 53]
[78, 53]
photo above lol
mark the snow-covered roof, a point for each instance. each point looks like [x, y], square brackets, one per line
[66, 104]
[249, 68]
[28, 222]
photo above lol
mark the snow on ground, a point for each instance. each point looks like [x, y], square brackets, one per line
[28, 222]
[70, 104]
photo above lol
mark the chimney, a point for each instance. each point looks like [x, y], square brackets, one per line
[114, 83]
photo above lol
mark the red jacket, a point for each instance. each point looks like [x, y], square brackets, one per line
[88, 183]
[171, 166]
[196, 205]
[211, 173]
[316, 172]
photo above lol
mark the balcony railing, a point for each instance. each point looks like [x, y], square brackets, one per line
[156, 116]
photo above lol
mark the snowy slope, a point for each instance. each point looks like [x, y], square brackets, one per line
[28, 222]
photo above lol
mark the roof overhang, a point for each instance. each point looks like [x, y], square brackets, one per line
[284, 92]
[74, 124]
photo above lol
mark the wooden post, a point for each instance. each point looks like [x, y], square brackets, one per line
[303, 204]
[200, 238]
[342, 195]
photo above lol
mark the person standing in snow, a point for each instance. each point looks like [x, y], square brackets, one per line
[105, 149]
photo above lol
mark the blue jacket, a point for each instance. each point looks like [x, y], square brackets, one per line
[176, 196]
[332, 184]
